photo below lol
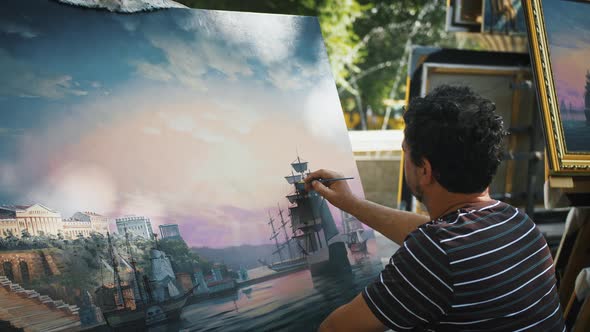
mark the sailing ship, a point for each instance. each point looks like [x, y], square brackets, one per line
[291, 262]
[215, 286]
[314, 227]
[126, 304]
[354, 233]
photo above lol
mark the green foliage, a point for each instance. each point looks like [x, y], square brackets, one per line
[337, 20]
[388, 31]
[85, 262]
[183, 259]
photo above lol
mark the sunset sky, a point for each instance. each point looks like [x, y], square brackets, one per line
[184, 116]
[568, 31]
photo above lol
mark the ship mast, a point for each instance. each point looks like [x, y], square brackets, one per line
[311, 237]
[133, 267]
[274, 236]
[287, 239]
[116, 277]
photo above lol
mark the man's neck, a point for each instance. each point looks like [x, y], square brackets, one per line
[444, 202]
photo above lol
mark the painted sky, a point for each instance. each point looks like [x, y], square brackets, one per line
[568, 31]
[185, 116]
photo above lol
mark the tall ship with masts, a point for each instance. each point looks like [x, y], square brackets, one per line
[354, 233]
[314, 226]
[140, 301]
[289, 258]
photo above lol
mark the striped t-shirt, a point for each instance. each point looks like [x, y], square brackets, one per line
[485, 267]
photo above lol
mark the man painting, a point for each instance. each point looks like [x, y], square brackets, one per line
[475, 263]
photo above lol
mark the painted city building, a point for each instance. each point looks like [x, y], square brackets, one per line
[170, 231]
[36, 219]
[99, 223]
[73, 228]
[138, 226]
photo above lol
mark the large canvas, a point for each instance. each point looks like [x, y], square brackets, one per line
[558, 35]
[150, 171]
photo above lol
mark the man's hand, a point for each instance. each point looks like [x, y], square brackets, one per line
[338, 192]
[392, 223]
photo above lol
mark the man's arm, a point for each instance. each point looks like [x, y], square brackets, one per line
[353, 316]
[392, 223]
[412, 292]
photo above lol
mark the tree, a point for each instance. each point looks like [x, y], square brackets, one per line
[183, 259]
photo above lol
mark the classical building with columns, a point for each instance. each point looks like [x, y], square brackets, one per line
[98, 223]
[73, 228]
[36, 219]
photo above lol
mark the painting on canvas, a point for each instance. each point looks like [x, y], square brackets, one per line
[150, 169]
[503, 17]
[559, 44]
[569, 47]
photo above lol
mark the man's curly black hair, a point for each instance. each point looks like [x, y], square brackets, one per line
[459, 133]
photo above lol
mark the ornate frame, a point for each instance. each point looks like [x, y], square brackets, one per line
[561, 162]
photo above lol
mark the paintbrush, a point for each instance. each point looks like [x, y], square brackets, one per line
[328, 181]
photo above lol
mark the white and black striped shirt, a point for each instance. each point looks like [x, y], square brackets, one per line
[485, 267]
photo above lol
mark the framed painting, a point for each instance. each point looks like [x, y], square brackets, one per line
[464, 15]
[150, 173]
[558, 33]
[503, 17]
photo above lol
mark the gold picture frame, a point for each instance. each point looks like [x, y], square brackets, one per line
[562, 159]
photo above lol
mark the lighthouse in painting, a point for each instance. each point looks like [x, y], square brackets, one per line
[314, 226]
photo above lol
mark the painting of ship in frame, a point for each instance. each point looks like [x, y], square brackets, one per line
[558, 33]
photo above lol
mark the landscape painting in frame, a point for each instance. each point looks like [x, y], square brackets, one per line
[503, 17]
[151, 167]
[564, 86]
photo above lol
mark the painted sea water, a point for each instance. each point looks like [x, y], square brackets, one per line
[577, 135]
[295, 302]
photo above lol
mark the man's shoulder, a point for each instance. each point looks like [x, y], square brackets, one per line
[473, 216]
[476, 220]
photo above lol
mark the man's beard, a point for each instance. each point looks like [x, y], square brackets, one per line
[418, 193]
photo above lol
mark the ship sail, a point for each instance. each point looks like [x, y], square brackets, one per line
[314, 230]
[293, 178]
[294, 197]
[172, 290]
[299, 166]
[162, 276]
[355, 234]
[164, 301]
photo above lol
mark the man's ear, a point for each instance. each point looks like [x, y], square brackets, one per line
[425, 171]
